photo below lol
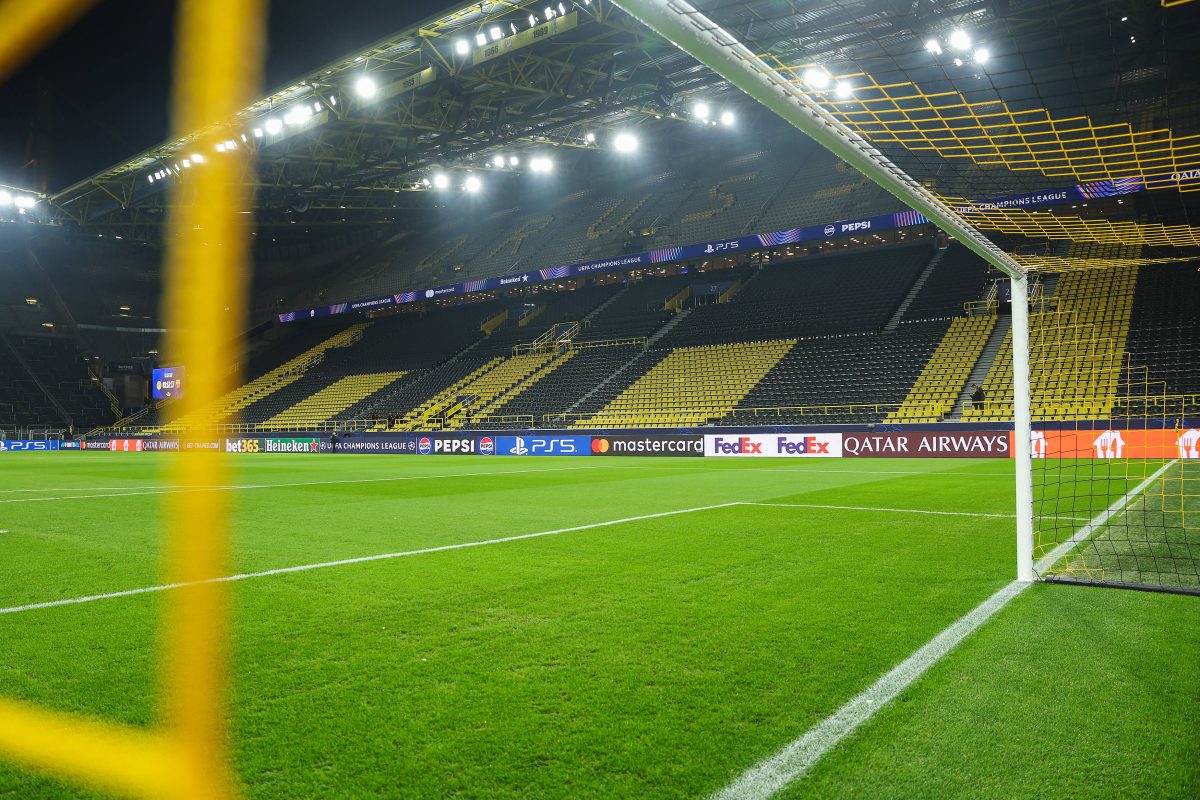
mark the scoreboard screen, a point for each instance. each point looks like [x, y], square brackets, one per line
[166, 382]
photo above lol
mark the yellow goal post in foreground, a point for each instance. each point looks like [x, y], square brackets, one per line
[218, 58]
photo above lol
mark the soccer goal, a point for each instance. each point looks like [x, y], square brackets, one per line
[1068, 188]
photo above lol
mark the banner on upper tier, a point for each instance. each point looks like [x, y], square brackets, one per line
[831, 230]
[28, 445]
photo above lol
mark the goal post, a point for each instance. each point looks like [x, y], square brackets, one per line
[692, 31]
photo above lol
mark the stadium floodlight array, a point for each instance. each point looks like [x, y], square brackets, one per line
[981, 106]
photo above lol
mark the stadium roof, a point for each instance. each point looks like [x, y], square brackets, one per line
[516, 76]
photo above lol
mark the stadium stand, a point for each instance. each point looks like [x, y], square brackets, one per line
[945, 374]
[1077, 346]
[690, 386]
[958, 277]
[1164, 339]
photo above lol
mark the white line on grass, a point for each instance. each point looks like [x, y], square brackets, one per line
[901, 510]
[886, 510]
[772, 774]
[359, 560]
[182, 489]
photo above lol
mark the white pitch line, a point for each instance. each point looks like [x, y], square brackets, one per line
[886, 510]
[791, 762]
[359, 560]
[183, 489]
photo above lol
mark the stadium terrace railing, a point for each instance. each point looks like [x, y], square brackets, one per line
[640, 341]
[762, 415]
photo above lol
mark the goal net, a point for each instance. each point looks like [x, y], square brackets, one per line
[1054, 139]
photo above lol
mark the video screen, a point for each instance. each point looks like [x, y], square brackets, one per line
[166, 382]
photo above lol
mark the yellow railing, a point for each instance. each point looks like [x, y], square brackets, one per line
[633, 340]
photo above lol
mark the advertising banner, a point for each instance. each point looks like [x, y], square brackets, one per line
[780, 445]
[304, 445]
[928, 444]
[71, 445]
[125, 445]
[166, 382]
[28, 445]
[544, 445]
[101, 445]
[367, 443]
[1106, 444]
[648, 445]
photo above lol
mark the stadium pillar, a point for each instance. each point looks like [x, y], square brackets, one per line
[1022, 426]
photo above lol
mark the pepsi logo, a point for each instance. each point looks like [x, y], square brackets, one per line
[829, 230]
[424, 446]
[487, 446]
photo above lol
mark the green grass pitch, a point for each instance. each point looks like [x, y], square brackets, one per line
[656, 658]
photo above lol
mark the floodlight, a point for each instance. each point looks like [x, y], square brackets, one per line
[960, 40]
[727, 118]
[513, 161]
[150, 178]
[541, 164]
[496, 33]
[365, 87]
[590, 137]
[273, 126]
[440, 181]
[816, 77]
[6, 198]
[480, 39]
[625, 143]
[472, 184]
[258, 133]
[982, 55]
[498, 162]
[187, 164]
[843, 90]
[561, 9]
[462, 47]
[700, 110]
[934, 47]
[532, 20]
[24, 201]
[220, 148]
[958, 62]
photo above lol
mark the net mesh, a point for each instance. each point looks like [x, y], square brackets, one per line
[1068, 134]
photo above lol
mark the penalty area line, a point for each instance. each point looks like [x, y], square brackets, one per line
[793, 760]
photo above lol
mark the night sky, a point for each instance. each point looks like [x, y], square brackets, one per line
[100, 92]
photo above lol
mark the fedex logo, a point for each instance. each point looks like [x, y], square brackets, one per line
[811, 445]
[745, 446]
[808, 445]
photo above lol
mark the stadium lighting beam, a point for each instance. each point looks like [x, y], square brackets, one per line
[481, 39]
[462, 47]
[440, 181]
[24, 201]
[472, 184]
[6, 198]
[960, 39]
[680, 23]
[590, 137]
[498, 162]
[727, 118]
[273, 126]
[700, 110]
[982, 55]
[365, 87]
[934, 47]
[816, 77]
[541, 164]
[844, 90]
[625, 143]
[496, 33]
[513, 161]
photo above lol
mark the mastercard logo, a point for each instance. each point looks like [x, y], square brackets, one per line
[600, 445]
